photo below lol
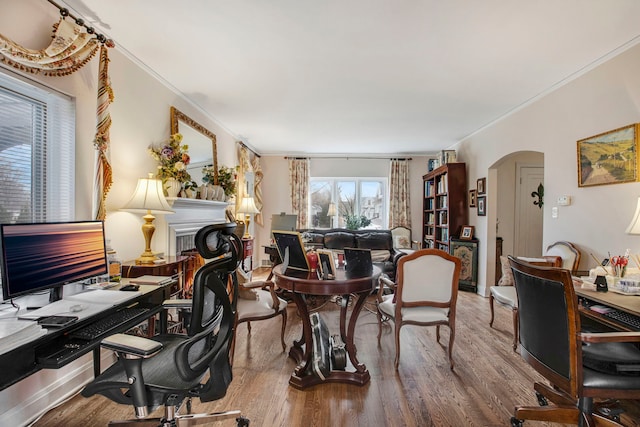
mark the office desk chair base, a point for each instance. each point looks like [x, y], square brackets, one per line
[173, 420]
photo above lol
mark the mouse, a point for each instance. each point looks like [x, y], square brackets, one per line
[76, 308]
[129, 287]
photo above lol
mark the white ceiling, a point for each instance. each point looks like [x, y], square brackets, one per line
[363, 76]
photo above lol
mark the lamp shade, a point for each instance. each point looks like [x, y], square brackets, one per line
[149, 196]
[634, 227]
[248, 206]
[332, 209]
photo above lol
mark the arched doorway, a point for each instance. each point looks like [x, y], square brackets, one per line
[518, 221]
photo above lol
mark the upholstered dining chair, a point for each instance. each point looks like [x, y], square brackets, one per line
[425, 294]
[170, 369]
[257, 300]
[402, 241]
[578, 367]
[559, 254]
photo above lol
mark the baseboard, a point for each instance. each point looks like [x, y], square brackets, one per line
[25, 402]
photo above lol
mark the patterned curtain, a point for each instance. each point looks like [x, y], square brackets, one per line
[104, 177]
[399, 208]
[299, 188]
[244, 166]
[70, 49]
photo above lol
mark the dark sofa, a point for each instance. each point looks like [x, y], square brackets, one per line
[379, 241]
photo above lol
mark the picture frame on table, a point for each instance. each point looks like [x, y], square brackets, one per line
[482, 205]
[481, 185]
[467, 232]
[472, 198]
[326, 264]
[609, 158]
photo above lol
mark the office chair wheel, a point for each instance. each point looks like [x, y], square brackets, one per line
[516, 422]
[242, 422]
[542, 401]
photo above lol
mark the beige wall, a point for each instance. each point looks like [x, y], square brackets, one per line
[603, 99]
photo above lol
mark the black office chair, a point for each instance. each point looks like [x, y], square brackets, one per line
[168, 369]
[579, 366]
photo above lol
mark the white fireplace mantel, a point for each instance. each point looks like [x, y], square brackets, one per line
[190, 216]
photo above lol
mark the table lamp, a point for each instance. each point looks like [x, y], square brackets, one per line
[148, 199]
[331, 212]
[247, 207]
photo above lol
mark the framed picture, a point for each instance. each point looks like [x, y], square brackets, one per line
[327, 266]
[482, 208]
[467, 232]
[467, 251]
[472, 198]
[609, 158]
[291, 250]
[482, 185]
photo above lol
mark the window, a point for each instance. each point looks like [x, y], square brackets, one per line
[37, 150]
[359, 202]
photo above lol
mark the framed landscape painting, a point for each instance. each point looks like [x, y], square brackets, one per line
[609, 158]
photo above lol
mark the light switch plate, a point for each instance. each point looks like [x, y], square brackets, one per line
[564, 200]
[554, 212]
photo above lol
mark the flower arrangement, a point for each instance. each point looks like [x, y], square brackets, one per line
[226, 178]
[173, 157]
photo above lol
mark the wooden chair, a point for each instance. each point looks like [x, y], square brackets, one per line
[425, 294]
[551, 342]
[257, 300]
[402, 241]
[569, 254]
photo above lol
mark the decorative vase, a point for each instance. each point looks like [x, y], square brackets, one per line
[203, 191]
[173, 187]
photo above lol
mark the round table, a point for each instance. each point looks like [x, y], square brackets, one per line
[301, 283]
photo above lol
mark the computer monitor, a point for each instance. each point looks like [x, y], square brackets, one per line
[49, 255]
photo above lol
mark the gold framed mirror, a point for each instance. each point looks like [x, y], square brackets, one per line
[201, 142]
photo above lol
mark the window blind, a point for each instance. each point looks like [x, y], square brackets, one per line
[37, 152]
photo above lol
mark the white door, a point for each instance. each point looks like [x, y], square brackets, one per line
[528, 224]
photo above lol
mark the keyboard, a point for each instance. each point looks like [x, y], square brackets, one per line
[108, 324]
[625, 318]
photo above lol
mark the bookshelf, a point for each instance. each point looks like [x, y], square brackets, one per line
[445, 205]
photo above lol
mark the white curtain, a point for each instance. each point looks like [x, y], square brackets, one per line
[399, 206]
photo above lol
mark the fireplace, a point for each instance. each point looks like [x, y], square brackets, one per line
[189, 217]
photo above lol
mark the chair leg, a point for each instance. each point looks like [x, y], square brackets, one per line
[516, 336]
[397, 325]
[491, 307]
[438, 334]
[452, 335]
[379, 325]
[284, 325]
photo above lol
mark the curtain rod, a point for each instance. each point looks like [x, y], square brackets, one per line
[349, 157]
[249, 148]
[90, 30]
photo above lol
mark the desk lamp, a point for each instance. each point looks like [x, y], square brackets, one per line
[247, 207]
[331, 212]
[148, 199]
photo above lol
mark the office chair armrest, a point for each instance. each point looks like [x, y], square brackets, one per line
[610, 337]
[177, 303]
[131, 345]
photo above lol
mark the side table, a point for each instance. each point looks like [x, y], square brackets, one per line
[173, 266]
[247, 252]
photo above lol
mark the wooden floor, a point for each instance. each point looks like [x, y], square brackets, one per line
[489, 379]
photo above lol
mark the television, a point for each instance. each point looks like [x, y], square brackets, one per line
[45, 256]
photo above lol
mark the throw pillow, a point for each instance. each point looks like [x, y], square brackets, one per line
[507, 274]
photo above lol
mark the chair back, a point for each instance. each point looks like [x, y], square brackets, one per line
[213, 311]
[568, 252]
[428, 276]
[401, 236]
[549, 323]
